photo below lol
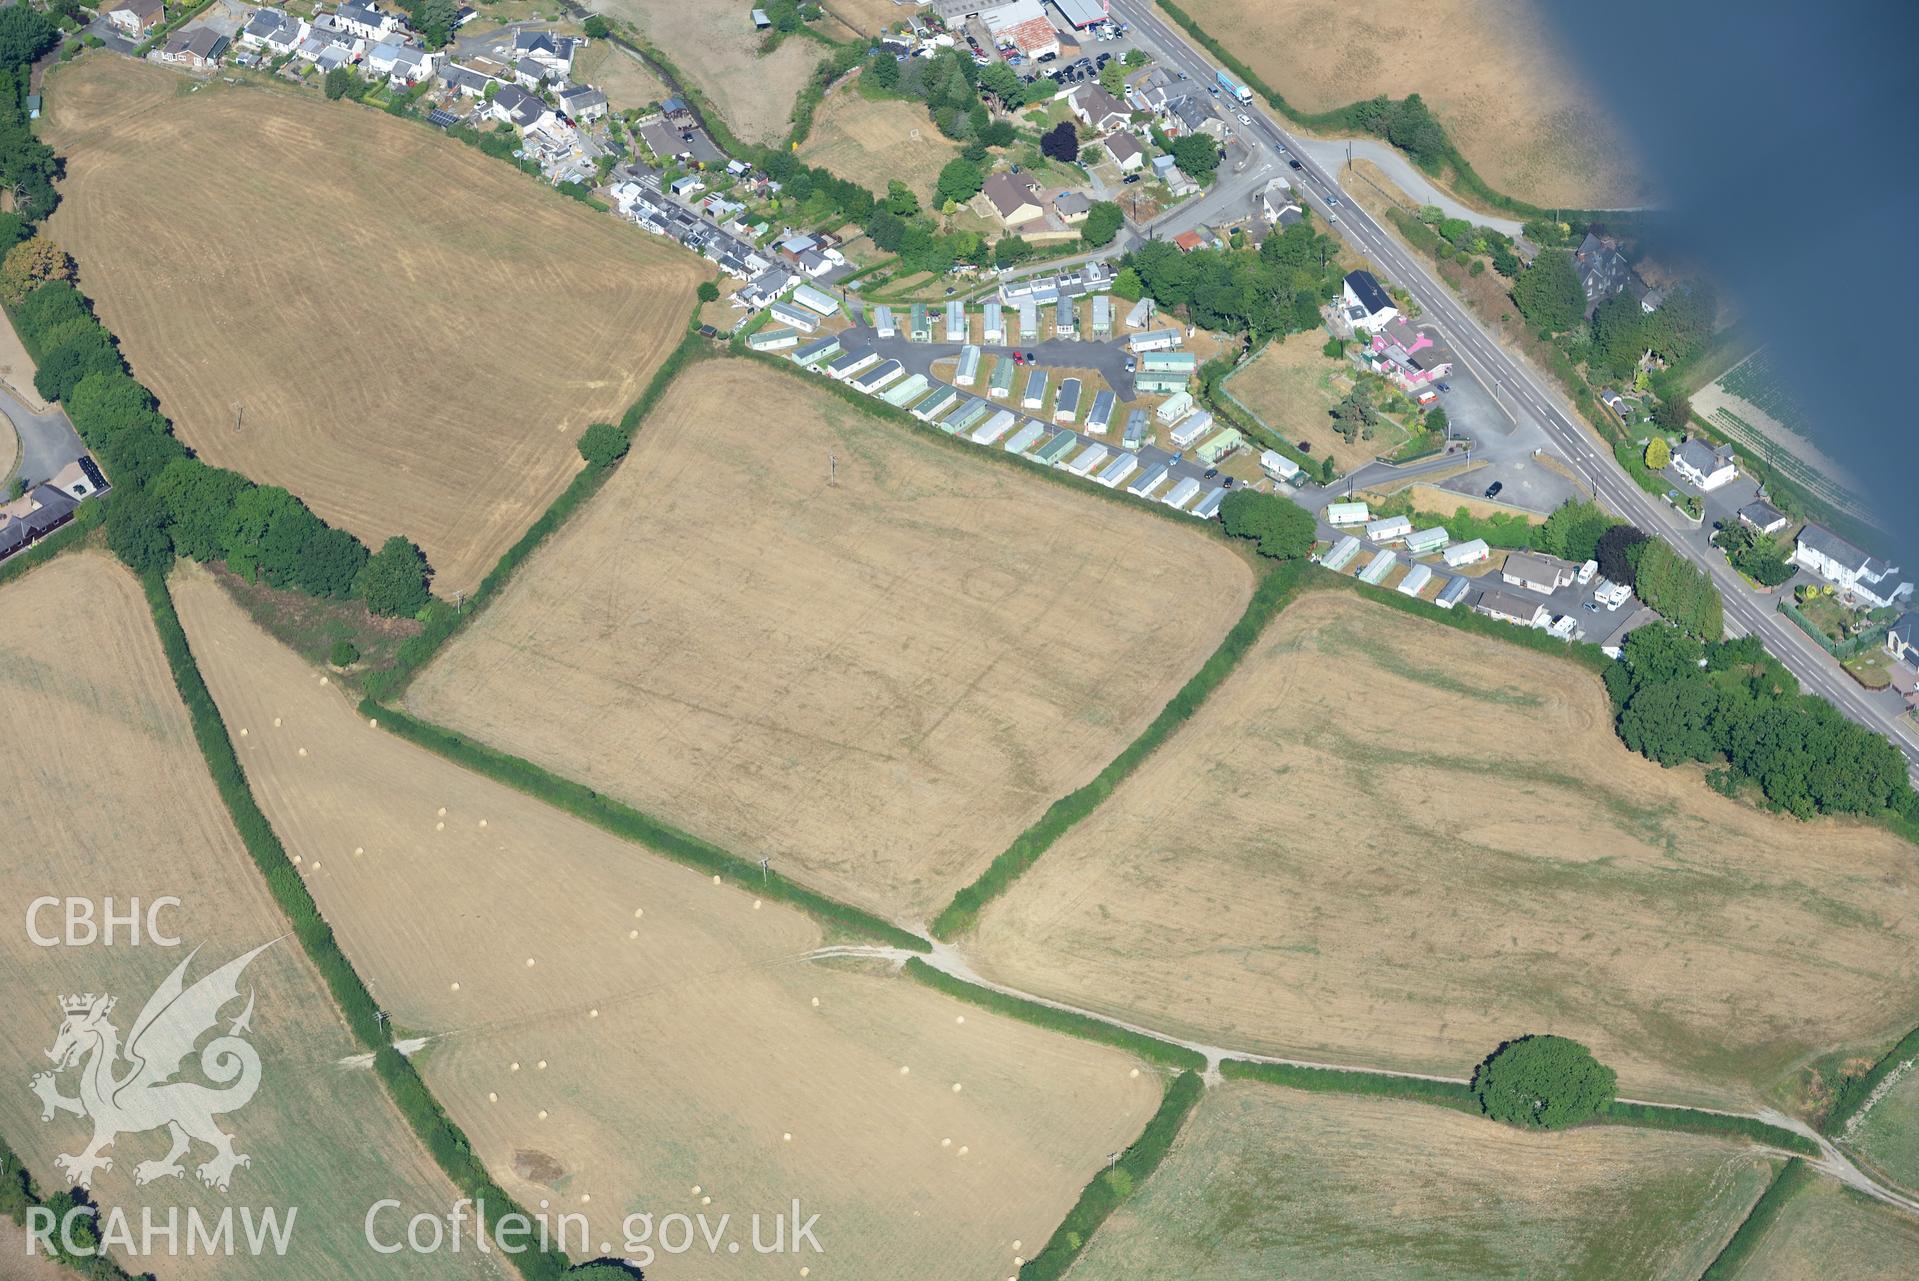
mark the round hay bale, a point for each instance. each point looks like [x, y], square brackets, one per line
[756, 905]
[1135, 1073]
[543, 1114]
[632, 934]
[482, 822]
[959, 1018]
[540, 1066]
[243, 733]
[816, 1002]
[696, 1189]
[586, 1198]
[439, 827]
[706, 1200]
[956, 1087]
[514, 1067]
[638, 912]
[453, 987]
[946, 1143]
[787, 1137]
[904, 1070]
[442, 811]
[373, 722]
[358, 850]
[303, 751]
[529, 962]
[296, 859]
[593, 1014]
[316, 864]
[963, 1149]
[491, 1097]
[324, 681]
[276, 722]
[716, 878]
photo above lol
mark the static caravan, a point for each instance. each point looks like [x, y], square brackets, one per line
[1066, 404]
[1421, 542]
[1415, 581]
[1163, 362]
[1084, 463]
[773, 339]
[1102, 316]
[1028, 320]
[905, 392]
[1065, 318]
[990, 431]
[1100, 417]
[1122, 466]
[1219, 446]
[1191, 430]
[879, 378]
[1174, 408]
[1026, 437]
[798, 317]
[1000, 386]
[1135, 429]
[968, 369]
[1181, 494]
[1348, 513]
[965, 416]
[1278, 465]
[1208, 507]
[1377, 568]
[1342, 553]
[883, 321]
[1154, 340]
[1146, 486]
[816, 351]
[956, 321]
[1140, 314]
[1056, 448]
[994, 334]
[813, 300]
[1388, 528]
[1469, 553]
[920, 323]
[852, 363]
[1450, 594]
[936, 404]
[1161, 384]
[1035, 394]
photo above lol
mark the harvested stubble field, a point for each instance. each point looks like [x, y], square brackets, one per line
[876, 679]
[1292, 386]
[1492, 73]
[1272, 1183]
[112, 799]
[716, 45]
[411, 334]
[872, 141]
[1829, 1230]
[1390, 843]
[869, 17]
[616, 1033]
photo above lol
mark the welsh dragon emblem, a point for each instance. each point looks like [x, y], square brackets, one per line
[131, 1089]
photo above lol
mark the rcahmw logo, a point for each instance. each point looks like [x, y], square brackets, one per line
[131, 1088]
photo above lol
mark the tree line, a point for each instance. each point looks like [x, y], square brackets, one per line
[1272, 291]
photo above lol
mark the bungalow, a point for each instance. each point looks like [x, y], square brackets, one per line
[135, 17]
[517, 107]
[1512, 609]
[1367, 304]
[1014, 198]
[200, 48]
[1539, 573]
[797, 317]
[1848, 568]
[329, 56]
[1072, 206]
[1196, 239]
[582, 104]
[1704, 465]
[1763, 516]
[1097, 109]
[33, 516]
[1125, 151]
[465, 81]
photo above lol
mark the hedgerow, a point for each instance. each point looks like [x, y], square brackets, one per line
[1732, 1260]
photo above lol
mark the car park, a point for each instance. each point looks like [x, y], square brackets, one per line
[1492, 490]
[1210, 473]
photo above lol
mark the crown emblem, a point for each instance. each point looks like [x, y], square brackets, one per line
[82, 1004]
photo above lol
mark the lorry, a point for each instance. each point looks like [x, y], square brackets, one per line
[1234, 87]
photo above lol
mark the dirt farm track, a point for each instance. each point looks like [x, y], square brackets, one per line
[406, 333]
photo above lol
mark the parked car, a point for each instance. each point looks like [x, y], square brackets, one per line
[1227, 483]
[1132, 364]
[1182, 75]
[1492, 490]
[1210, 473]
[1130, 179]
[1018, 359]
[1442, 387]
[1031, 359]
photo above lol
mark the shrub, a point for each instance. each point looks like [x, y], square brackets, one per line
[708, 291]
[344, 653]
[1543, 1083]
[603, 444]
[394, 581]
[1658, 454]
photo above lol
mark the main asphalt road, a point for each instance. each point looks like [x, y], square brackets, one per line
[1514, 381]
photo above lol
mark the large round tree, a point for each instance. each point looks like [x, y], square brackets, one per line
[1543, 1083]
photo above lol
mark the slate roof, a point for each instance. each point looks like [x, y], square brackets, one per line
[1366, 287]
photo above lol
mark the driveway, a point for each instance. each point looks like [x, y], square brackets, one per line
[47, 441]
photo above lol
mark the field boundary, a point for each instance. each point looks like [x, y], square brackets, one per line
[1087, 1027]
[1110, 1187]
[1857, 1093]
[632, 825]
[443, 1139]
[1752, 1229]
[1275, 589]
[444, 621]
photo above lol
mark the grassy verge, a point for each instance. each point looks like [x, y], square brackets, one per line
[1796, 1175]
[1854, 1092]
[1450, 1094]
[630, 824]
[1083, 1026]
[442, 1138]
[1693, 1121]
[1275, 589]
[1112, 1186]
[444, 621]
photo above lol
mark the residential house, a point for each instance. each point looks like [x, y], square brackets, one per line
[273, 31]
[1512, 609]
[554, 51]
[1072, 206]
[1848, 567]
[1902, 640]
[531, 73]
[1603, 270]
[1763, 516]
[1023, 24]
[331, 56]
[1197, 238]
[520, 109]
[1184, 117]
[1539, 573]
[1411, 358]
[1093, 107]
[1367, 305]
[135, 17]
[465, 81]
[367, 20]
[1125, 151]
[1014, 198]
[34, 515]
[1704, 465]
[200, 48]
[1275, 200]
[401, 63]
[1150, 91]
[582, 104]
[1616, 402]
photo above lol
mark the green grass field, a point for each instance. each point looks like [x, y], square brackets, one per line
[1830, 1231]
[1887, 1136]
[1267, 1183]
